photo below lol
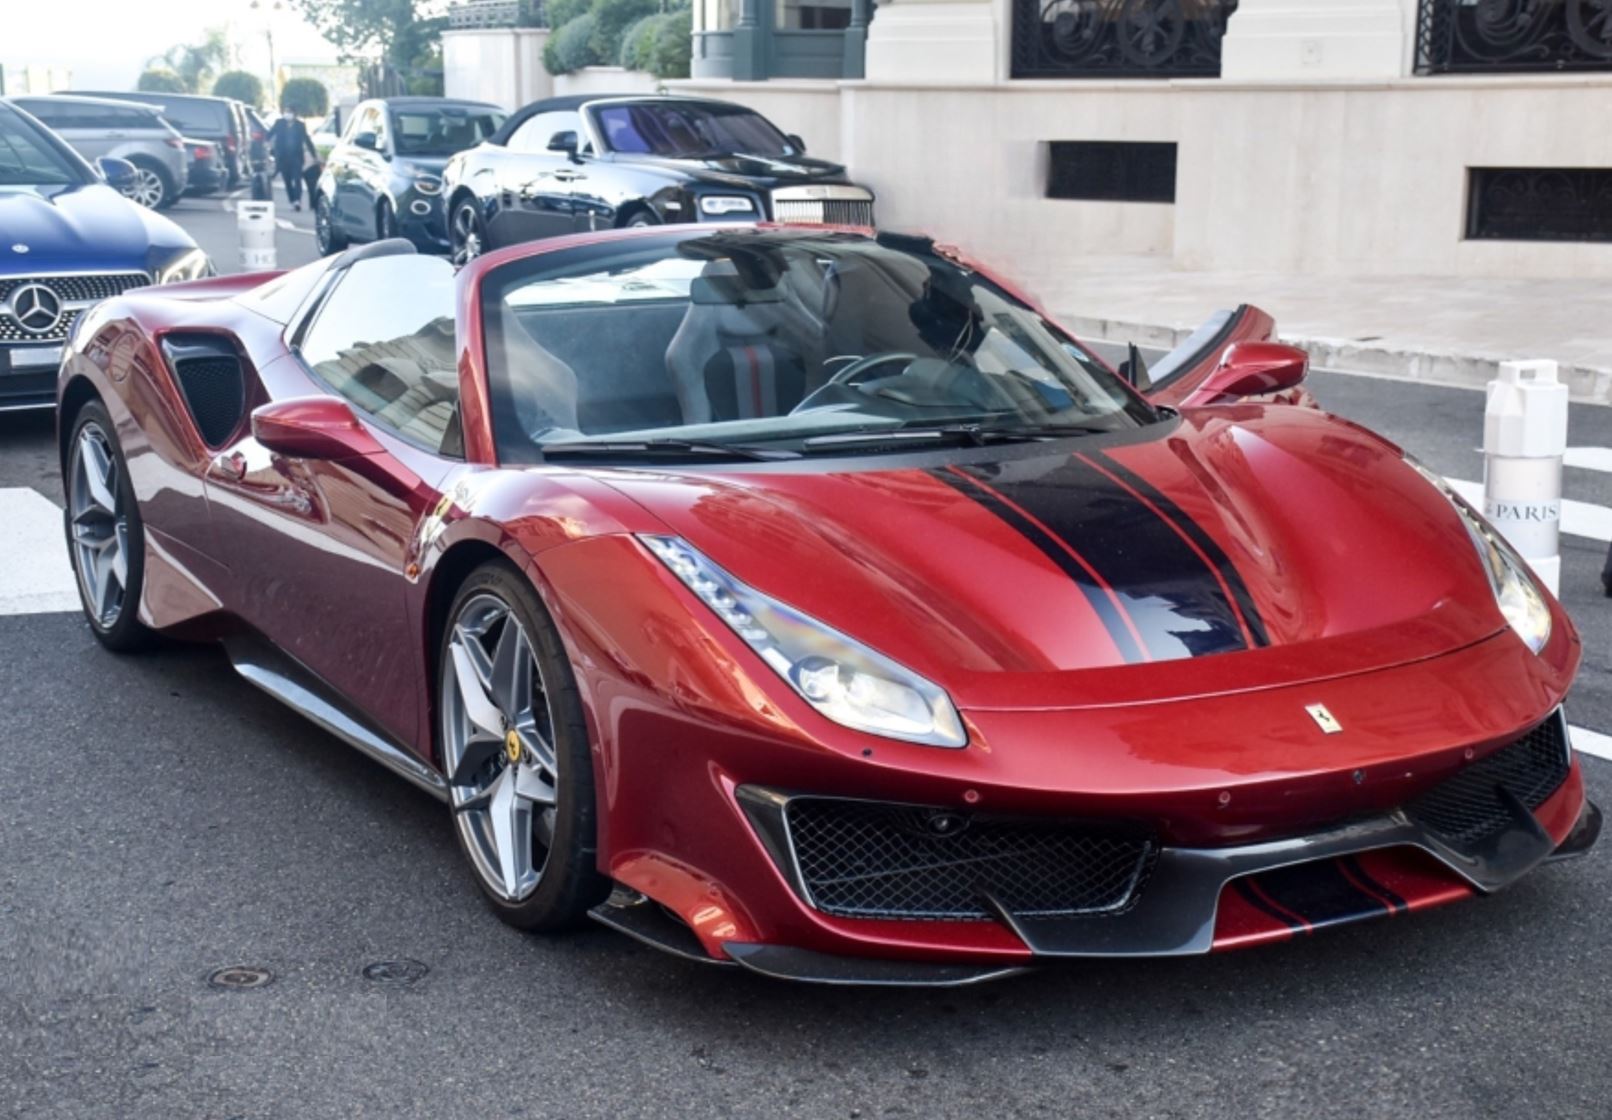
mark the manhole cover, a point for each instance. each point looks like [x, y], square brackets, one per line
[401, 971]
[240, 976]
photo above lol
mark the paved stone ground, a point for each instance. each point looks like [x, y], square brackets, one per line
[1438, 329]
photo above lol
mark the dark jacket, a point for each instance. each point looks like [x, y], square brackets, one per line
[289, 138]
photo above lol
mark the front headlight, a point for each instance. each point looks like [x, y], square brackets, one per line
[839, 676]
[718, 204]
[1515, 589]
[192, 264]
[427, 184]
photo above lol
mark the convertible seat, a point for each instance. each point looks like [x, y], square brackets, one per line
[731, 362]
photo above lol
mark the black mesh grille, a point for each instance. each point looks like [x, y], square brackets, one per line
[213, 390]
[1466, 809]
[76, 289]
[871, 860]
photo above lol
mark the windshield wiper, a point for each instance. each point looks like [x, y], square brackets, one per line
[651, 448]
[977, 435]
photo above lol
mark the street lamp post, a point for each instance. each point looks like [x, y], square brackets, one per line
[269, 8]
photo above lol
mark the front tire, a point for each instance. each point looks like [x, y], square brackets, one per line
[105, 536]
[514, 747]
[324, 228]
[467, 233]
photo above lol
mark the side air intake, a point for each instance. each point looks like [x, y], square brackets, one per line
[208, 369]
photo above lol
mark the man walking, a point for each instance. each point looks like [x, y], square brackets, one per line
[290, 140]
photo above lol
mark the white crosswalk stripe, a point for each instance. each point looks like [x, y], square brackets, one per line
[37, 579]
[1590, 742]
[1589, 458]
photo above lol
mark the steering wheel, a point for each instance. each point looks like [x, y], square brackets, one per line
[862, 365]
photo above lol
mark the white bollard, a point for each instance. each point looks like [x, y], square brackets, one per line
[1524, 438]
[254, 221]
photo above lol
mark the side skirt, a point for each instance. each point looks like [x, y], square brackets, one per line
[298, 689]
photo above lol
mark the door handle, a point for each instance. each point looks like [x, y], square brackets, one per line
[567, 176]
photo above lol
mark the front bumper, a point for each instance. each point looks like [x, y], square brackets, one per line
[28, 376]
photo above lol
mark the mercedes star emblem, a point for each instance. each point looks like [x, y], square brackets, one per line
[19, 247]
[36, 308]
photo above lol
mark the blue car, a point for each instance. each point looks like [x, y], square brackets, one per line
[68, 239]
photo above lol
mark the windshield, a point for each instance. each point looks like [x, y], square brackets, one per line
[442, 131]
[777, 339]
[684, 130]
[28, 157]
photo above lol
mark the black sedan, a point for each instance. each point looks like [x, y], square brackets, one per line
[384, 177]
[573, 164]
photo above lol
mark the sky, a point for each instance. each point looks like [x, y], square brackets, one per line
[105, 43]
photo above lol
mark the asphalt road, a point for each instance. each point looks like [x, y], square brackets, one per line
[165, 820]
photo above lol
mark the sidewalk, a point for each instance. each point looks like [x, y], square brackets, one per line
[1439, 329]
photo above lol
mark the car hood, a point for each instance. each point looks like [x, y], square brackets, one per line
[1265, 546]
[81, 229]
[743, 170]
[428, 165]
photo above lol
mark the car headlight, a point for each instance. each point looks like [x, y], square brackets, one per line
[427, 184]
[843, 679]
[192, 264]
[1515, 589]
[719, 204]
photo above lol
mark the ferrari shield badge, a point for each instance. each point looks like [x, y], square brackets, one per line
[1324, 719]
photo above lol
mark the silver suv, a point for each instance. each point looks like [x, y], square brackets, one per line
[98, 126]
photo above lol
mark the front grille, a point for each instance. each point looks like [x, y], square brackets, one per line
[863, 859]
[79, 289]
[834, 206]
[1467, 809]
[11, 330]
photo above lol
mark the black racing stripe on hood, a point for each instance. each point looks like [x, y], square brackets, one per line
[1101, 600]
[1217, 555]
[1173, 598]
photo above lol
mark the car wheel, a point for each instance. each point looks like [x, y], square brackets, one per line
[149, 188]
[385, 221]
[640, 219]
[105, 537]
[514, 747]
[467, 233]
[324, 228]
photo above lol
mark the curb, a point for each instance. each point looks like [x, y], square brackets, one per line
[1585, 384]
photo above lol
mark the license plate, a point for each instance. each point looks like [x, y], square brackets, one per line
[34, 357]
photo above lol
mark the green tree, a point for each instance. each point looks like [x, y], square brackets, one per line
[394, 30]
[194, 63]
[305, 97]
[160, 80]
[241, 85]
[571, 47]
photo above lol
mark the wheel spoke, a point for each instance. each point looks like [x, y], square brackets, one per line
[511, 677]
[119, 554]
[477, 753]
[533, 742]
[532, 787]
[106, 587]
[510, 819]
[479, 707]
[98, 473]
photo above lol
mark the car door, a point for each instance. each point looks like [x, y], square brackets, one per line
[319, 551]
[534, 183]
[347, 170]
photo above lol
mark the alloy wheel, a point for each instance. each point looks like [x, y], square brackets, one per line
[498, 747]
[99, 526]
[147, 188]
[323, 232]
[467, 239]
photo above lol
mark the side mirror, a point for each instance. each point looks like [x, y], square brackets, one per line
[797, 143]
[565, 143]
[118, 173]
[1253, 369]
[313, 428]
[368, 141]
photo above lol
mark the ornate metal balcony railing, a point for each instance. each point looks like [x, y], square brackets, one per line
[486, 13]
[1467, 36]
[1119, 38]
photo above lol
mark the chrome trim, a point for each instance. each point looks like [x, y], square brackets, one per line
[824, 192]
[296, 688]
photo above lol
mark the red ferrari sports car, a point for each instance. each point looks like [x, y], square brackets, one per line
[807, 600]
